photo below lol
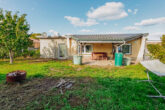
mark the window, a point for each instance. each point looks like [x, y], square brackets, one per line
[86, 49]
[126, 49]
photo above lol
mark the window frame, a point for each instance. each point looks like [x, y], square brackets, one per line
[85, 48]
[130, 49]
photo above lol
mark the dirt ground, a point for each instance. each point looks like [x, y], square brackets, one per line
[19, 94]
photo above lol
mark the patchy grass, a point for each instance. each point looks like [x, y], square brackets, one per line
[94, 89]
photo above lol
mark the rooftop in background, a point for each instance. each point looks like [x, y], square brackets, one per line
[108, 37]
[51, 37]
[154, 41]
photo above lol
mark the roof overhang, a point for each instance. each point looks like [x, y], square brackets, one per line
[112, 38]
[101, 41]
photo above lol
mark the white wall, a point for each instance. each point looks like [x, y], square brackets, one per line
[49, 47]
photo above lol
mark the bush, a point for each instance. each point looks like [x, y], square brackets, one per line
[24, 53]
[3, 53]
[157, 51]
[31, 53]
[36, 54]
[163, 41]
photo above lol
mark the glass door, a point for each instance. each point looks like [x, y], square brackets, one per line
[62, 51]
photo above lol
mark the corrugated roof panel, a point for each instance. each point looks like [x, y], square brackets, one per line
[107, 37]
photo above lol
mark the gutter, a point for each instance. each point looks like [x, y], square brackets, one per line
[100, 41]
[124, 42]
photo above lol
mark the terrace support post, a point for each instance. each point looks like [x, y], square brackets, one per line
[68, 46]
[141, 51]
[77, 49]
[80, 48]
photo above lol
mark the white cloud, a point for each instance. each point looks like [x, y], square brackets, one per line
[129, 10]
[155, 36]
[152, 21]
[53, 32]
[131, 28]
[78, 22]
[116, 24]
[105, 24]
[86, 30]
[135, 11]
[109, 11]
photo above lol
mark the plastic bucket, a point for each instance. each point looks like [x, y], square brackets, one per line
[126, 61]
[118, 59]
[77, 60]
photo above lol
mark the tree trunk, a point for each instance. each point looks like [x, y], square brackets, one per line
[11, 57]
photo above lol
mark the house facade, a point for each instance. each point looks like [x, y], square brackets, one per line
[132, 45]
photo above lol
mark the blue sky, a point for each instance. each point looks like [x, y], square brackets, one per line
[92, 16]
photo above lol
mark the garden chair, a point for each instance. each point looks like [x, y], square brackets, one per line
[158, 68]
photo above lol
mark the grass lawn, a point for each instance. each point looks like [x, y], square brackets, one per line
[95, 88]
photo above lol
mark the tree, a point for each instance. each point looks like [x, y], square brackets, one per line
[158, 51]
[163, 41]
[14, 35]
[34, 35]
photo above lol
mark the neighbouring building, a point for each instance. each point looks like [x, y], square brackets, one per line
[93, 46]
[36, 43]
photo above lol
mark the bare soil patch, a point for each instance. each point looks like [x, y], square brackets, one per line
[15, 96]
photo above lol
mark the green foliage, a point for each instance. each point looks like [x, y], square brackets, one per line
[37, 54]
[163, 41]
[34, 53]
[31, 53]
[34, 35]
[3, 53]
[14, 35]
[157, 51]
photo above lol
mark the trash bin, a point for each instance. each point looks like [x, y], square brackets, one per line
[126, 61]
[77, 59]
[118, 59]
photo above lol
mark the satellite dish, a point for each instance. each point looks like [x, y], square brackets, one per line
[44, 34]
[58, 34]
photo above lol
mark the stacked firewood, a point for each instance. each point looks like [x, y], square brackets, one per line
[64, 84]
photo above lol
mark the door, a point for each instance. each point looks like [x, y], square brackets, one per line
[62, 51]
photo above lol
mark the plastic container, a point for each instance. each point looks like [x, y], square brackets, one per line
[126, 61]
[77, 60]
[118, 59]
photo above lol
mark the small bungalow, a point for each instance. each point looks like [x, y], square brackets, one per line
[94, 47]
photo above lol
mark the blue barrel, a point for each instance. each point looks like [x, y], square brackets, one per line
[118, 59]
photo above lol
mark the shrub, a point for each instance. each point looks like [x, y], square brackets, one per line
[157, 51]
[163, 41]
[3, 53]
[36, 54]
[32, 53]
